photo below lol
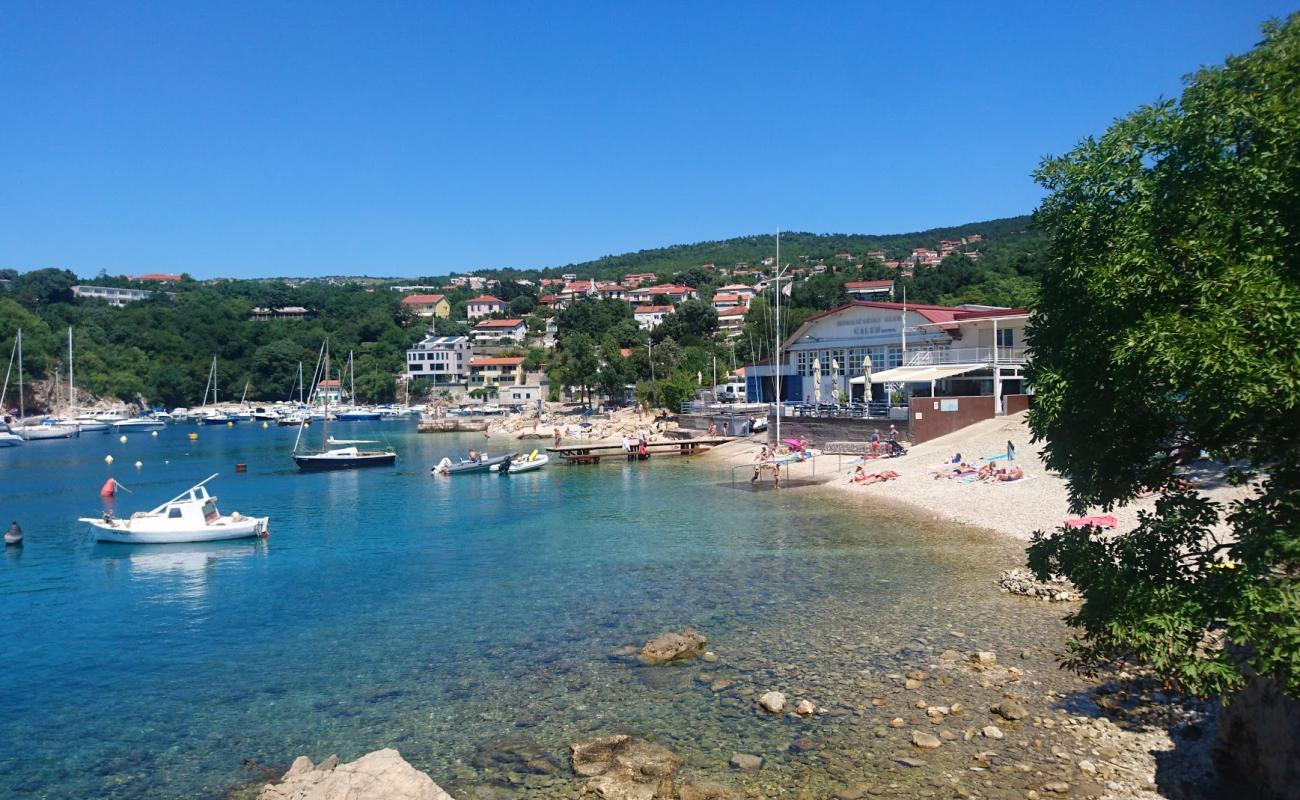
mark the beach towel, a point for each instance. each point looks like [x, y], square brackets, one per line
[998, 457]
[1103, 521]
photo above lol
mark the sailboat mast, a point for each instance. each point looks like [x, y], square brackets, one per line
[325, 423]
[352, 381]
[22, 406]
[214, 381]
[300, 386]
[72, 393]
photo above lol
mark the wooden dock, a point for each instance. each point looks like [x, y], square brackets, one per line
[593, 453]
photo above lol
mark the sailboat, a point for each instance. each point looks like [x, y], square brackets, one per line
[331, 458]
[354, 412]
[215, 416]
[45, 430]
[87, 421]
[243, 414]
[7, 437]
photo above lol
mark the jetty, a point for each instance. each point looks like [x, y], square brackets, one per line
[593, 453]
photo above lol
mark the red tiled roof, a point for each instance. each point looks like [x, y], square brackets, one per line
[499, 323]
[651, 309]
[726, 298]
[487, 298]
[931, 313]
[502, 361]
[625, 352]
[412, 299]
[869, 284]
[737, 311]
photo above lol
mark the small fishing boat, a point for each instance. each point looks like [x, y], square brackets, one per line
[528, 463]
[481, 463]
[190, 516]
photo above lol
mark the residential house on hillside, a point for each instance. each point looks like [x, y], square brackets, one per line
[745, 293]
[496, 371]
[500, 331]
[675, 293]
[732, 321]
[287, 312]
[870, 290]
[721, 302]
[485, 306]
[649, 317]
[111, 294]
[442, 359]
[427, 305]
[638, 279]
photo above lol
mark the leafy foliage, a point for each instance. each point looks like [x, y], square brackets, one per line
[1166, 326]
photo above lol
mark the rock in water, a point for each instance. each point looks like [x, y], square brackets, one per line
[381, 775]
[925, 740]
[805, 708]
[773, 702]
[623, 768]
[668, 647]
[706, 790]
[1010, 710]
[746, 762]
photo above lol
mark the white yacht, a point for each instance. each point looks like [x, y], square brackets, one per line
[191, 516]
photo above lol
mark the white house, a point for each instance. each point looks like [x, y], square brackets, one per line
[500, 331]
[485, 306]
[649, 317]
[870, 290]
[442, 359]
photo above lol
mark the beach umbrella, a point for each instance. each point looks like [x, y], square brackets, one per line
[817, 380]
[866, 379]
[835, 377]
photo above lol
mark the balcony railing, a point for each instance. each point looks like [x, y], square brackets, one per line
[966, 355]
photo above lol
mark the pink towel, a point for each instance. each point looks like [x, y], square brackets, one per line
[1105, 521]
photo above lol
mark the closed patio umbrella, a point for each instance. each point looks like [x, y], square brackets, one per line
[835, 379]
[817, 381]
[866, 379]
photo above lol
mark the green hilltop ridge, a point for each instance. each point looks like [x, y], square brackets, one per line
[158, 350]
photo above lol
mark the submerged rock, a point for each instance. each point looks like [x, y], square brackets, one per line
[623, 768]
[1022, 582]
[381, 775]
[514, 754]
[746, 762]
[772, 702]
[668, 647]
[707, 790]
[924, 740]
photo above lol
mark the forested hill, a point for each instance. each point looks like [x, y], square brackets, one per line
[795, 246]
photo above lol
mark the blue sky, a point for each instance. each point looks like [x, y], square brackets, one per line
[257, 139]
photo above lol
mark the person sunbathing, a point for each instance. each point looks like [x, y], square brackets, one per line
[880, 477]
[985, 471]
[1015, 474]
[859, 475]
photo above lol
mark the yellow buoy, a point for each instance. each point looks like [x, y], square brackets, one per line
[139, 464]
[122, 439]
[108, 459]
[230, 424]
[263, 424]
[194, 436]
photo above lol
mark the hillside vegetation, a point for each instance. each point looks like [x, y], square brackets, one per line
[159, 350]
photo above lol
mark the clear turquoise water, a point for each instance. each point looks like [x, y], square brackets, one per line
[391, 608]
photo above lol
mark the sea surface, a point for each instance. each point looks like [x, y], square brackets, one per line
[391, 608]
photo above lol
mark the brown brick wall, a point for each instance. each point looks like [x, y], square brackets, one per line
[929, 422]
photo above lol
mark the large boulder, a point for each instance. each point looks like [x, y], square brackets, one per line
[1258, 746]
[381, 775]
[621, 767]
[667, 647]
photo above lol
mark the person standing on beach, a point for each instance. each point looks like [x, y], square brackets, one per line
[875, 443]
[759, 460]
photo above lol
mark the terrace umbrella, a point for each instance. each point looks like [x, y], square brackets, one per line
[817, 381]
[866, 379]
[835, 378]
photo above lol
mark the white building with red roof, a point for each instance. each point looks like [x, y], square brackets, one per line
[649, 317]
[500, 331]
[485, 306]
[870, 290]
[731, 321]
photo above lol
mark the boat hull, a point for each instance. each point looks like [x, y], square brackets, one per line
[37, 433]
[470, 467]
[140, 425]
[357, 416]
[324, 464]
[244, 529]
[528, 466]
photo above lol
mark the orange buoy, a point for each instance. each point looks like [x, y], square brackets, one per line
[109, 489]
[241, 468]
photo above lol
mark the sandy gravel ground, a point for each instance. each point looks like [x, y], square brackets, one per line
[1038, 502]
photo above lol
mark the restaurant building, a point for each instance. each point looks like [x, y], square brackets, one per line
[885, 352]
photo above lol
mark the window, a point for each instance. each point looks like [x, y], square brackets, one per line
[895, 357]
[1006, 337]
[805, 359]
[174, 513]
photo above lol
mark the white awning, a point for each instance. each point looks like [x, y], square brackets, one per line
[917, 374]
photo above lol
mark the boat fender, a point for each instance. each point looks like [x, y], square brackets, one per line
[533, 455]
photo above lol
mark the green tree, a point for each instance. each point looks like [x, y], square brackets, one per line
[1166, 327]
[692, 321]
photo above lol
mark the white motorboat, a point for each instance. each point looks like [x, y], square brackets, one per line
[140, 424]
[191, 516]
[88, 423]
[8, 438]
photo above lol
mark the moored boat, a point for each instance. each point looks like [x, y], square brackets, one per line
[336, 458]
[465, 466]
[532, 461]
[140, 424]
[191, 516]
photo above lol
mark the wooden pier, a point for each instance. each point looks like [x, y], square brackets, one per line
[593, 453]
